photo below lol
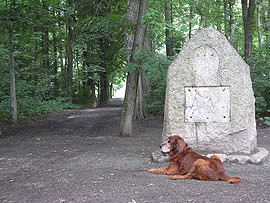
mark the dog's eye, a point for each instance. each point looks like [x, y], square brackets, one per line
[169, 141]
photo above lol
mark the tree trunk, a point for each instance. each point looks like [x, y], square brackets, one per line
[69, 51]
[248, 15]
[46, 64]
[148, 46]
[168, 32]
[47, 61]
[104, 89]
[140, 112]
[266, 20]
[190, 24]
[12, 79]
[139, 45]
[90, 78]
[259, 25]
[93, 89]
[78, 73]
[231, 20]
[225, 15]
[131, 83]
[55, 62]
[136, 10]
[63, 72]
[35, 54]
[104, 83]
[143, 82]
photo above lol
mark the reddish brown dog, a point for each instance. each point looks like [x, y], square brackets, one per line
[185, 163]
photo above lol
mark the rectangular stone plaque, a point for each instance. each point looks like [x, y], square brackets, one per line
[207, 104]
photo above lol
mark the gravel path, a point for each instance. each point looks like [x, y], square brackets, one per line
[77, 156]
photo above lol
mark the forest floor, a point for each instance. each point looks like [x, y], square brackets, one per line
[78, 156]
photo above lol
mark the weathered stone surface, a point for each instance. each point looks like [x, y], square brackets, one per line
[257, 158]
[159, 157]
[209, 119]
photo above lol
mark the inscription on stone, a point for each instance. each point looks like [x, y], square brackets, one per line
[207, 104]
[206, 60]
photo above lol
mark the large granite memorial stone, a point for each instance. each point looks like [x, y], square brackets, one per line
[210, 100]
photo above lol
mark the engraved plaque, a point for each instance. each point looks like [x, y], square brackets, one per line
[207, 104]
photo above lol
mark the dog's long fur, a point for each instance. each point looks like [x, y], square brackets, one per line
[185, 163]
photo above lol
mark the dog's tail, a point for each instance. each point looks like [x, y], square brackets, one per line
[234, 180]
[225, 177]
[229, 179]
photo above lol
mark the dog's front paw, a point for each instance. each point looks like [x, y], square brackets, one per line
[173, 177]
[162, 171]
[152, 170]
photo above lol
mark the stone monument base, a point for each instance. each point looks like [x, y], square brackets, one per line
[257, 158]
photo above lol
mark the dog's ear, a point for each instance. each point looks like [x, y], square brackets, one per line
[181, 144]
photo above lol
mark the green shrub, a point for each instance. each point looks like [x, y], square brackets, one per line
[156, 69]
[33, 106]
[260, 74]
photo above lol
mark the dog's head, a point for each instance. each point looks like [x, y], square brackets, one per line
[173, 144]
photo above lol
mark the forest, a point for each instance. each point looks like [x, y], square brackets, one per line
[58, 54]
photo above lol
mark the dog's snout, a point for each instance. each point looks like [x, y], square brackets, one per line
[160, 146]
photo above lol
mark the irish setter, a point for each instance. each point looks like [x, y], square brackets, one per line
[185, 163]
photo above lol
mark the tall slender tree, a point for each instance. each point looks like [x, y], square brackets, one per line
[70, 20]
[248, 10]
[12, 78]
[266, 19]
[13, 99]
[168, 31]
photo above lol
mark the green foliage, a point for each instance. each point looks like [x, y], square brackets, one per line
[155, 67]
[265, 121]
[32, 106]
[99, 47]
[260, 72]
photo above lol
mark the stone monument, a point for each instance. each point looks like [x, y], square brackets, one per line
[210, 101]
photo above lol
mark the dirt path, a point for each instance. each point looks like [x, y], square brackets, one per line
[77, 156]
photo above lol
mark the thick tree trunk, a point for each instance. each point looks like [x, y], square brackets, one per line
[131, 83]
[168, 32]
[248, 16]
[140, 46]
[136, 10]
[12, 79]
[69, 50]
